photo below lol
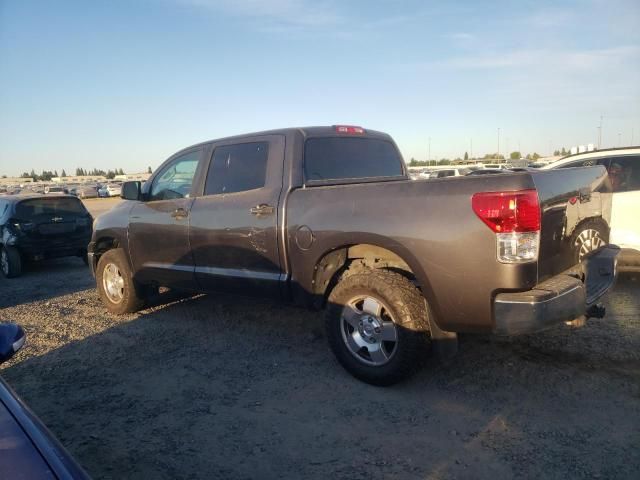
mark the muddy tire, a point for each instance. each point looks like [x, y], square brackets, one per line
[377, 326]
[588, 236]
[10, 262]
[116, 287]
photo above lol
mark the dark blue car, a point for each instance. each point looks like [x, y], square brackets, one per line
[28, 450]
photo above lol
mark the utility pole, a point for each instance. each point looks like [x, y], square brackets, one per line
[498, 142]
[471, 145]
[429, 151]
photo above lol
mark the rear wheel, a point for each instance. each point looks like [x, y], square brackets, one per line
[10, 262]
[588, 237]
[115, 284]
[377, 326]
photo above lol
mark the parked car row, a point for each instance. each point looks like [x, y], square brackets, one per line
[459, 170]
[95, 190]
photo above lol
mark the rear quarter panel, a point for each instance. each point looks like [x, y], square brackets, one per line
[429, 224]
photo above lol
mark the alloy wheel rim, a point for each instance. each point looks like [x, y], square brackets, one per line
[588, 241]
[369, 330]
[113, 283]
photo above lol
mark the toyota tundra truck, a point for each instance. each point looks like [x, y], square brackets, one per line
[327, 217]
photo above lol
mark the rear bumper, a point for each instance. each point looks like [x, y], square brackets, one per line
[53, 248]
[565, 297]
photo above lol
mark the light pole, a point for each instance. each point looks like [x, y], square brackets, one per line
[429, 150]
[498, 142]
[600, 134]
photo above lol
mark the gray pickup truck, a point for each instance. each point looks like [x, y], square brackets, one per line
[328, 217]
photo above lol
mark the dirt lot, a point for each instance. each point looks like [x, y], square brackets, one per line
[220, 387]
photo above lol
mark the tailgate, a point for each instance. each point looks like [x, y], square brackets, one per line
[571, 199]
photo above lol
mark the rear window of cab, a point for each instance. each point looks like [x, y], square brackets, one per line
[343, 158]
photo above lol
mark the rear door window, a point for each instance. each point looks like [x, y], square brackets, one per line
[237, 168]
[339, 158]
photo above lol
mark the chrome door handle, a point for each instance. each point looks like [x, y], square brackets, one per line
[180, 213]
[262, 209]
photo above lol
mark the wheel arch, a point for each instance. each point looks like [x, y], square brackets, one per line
[344, 258]
[593, 220]
[108, 239]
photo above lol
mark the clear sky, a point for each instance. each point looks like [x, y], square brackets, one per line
[127, 83]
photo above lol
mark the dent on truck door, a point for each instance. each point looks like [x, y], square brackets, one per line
[234, 225]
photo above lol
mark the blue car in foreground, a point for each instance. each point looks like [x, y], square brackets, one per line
[29, 450]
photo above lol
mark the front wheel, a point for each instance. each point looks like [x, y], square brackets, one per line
[115, 284]
[377, 326]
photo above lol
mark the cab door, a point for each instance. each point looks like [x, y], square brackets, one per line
[159, 226]
[234, 230]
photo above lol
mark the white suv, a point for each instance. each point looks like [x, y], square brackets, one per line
[623, 165]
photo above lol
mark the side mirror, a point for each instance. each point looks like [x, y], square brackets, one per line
[12, 339]
[131, 190]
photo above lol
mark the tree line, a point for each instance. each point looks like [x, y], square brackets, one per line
[47, 175]
[561, 152]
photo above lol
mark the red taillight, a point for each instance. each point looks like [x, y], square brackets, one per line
[349, 129]
[506, 212]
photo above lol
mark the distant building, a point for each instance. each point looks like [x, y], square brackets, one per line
[15, 180]
[80, 179]
[143, 177]
[583, 148]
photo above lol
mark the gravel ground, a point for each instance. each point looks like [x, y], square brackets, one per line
[218, 387]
